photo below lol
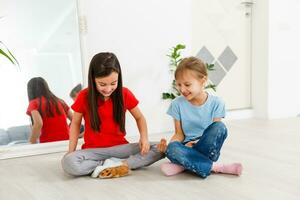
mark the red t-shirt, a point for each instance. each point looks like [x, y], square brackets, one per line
[109, 134]
[54, 128]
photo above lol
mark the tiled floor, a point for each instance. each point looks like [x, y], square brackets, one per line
[269, 151]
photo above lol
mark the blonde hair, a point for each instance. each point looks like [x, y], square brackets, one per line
[194, 64]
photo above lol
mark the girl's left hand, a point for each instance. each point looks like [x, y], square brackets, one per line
[144, 146]
[190, 144]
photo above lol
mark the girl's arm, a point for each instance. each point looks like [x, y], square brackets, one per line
[178, 136]
[142, 126]
[36, 127]
[74, 131]
[70, 115]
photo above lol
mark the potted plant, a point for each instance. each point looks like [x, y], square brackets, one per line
[175, 58]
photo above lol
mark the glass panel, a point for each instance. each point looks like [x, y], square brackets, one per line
[44, 38]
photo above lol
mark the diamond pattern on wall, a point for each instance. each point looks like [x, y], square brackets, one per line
[222, 65]
[227, 58]
[217, 75]
[205, 55]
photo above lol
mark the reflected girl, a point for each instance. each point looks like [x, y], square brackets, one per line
[48, 113]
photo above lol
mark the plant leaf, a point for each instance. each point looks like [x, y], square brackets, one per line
[8, 57]
[210, 67]
[211, 86]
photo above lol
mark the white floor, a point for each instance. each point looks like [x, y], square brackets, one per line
[269, 151]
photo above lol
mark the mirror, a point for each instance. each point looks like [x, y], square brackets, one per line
[44, 38]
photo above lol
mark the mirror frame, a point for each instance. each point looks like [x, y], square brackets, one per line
[8, 152]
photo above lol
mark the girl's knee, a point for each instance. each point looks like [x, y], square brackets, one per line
[69, 165]
[218, 128]
[219, 125]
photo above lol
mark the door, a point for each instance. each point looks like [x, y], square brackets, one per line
[222, 36]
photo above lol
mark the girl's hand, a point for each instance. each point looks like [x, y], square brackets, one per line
[144, 146]
[162, 146]
[190, 144]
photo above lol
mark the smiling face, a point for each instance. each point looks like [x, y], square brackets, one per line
[190, 85]
[107, 85]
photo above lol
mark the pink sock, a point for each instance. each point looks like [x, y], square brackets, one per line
[234, 168]
[170, 169]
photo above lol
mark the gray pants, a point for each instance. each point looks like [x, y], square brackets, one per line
[83, 162]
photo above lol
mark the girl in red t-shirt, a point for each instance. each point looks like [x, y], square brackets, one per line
[105, 152]
[47, 112]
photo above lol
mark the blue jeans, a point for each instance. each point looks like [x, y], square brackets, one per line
[200, 157]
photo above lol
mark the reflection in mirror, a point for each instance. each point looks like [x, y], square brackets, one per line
[44, 38]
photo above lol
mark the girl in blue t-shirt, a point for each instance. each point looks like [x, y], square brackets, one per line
[199, 132]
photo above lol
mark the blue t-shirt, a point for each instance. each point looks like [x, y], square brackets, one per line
[195, 119]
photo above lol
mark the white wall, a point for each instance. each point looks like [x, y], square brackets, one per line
[276, 64]
[284, 58]
[260, 59]
[140, 33]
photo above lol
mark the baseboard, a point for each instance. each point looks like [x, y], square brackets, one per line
[239, 114]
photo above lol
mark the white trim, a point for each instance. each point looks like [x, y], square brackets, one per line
[83, 29]
[34, 149]
[260, 59]
[239, 114]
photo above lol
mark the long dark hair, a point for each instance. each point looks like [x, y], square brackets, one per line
[37, 88]
[102, 65]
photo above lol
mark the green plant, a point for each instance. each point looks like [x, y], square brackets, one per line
[4, 51]
[175, 58]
